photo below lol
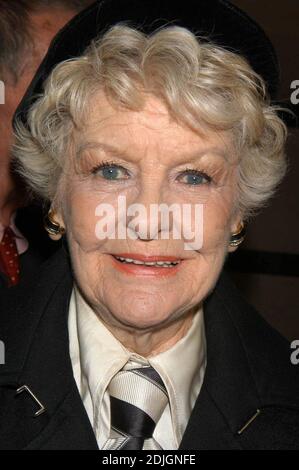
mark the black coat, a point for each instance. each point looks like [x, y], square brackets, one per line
[248, 369]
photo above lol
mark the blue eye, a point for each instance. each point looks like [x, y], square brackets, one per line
[110, 171]
[195, 177]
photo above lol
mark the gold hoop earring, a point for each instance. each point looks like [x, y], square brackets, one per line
[238, 236]
[51, 226]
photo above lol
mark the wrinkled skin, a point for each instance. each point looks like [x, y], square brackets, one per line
[148, 314]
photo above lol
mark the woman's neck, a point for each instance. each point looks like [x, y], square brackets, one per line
[151, 343]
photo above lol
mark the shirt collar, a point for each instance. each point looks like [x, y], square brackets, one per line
[182, 369]
[100, 356]
[21, 242]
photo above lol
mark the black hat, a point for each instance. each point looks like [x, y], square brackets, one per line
[222, 22]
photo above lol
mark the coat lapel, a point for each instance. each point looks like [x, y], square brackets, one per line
[228, 397]
[248, 369]
[43, 364]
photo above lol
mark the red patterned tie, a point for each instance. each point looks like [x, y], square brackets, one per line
[9, 257]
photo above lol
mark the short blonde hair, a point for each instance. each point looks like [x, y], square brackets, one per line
[203, 85]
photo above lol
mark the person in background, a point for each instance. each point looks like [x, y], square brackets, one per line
[26, 30]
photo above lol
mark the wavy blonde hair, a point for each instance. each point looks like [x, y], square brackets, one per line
[203, 85]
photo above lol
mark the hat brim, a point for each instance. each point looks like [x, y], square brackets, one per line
[219, 20]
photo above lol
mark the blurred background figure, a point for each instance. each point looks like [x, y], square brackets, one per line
[27, 28]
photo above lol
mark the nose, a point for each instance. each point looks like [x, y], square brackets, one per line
[145, 214]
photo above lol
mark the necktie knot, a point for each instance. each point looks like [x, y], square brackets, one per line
[138, 398]
[8, 233]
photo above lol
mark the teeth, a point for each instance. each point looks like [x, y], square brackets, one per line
[164, 264]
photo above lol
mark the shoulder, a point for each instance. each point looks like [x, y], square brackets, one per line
[22, 307]
[267, 351]
[43, 279]
[249, 369]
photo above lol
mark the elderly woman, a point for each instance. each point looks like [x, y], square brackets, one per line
[132, 336]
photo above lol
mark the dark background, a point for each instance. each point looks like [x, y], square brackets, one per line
[266, 266]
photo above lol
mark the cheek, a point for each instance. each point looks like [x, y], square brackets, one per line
[79, 209]
[80, 220]
[216, 224]
[80, 215]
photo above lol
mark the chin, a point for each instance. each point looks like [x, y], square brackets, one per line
[142, 322]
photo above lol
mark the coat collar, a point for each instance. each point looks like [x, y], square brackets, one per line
[248, 369]
[246, 338]
[247, 362]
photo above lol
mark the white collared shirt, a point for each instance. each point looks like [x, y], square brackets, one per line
[96, 356]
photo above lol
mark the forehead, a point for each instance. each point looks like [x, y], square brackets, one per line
[152, 129]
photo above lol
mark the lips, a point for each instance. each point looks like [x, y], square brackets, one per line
[146, 265]
[146, 262]
[147, 258]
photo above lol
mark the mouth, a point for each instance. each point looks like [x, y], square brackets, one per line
[151, 265]
[160, 263]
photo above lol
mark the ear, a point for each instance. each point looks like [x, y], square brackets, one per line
[55, 220]
[235, 227]
[58, 217]
[231, 249]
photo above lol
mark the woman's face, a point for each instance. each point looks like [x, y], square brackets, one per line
[149, 159]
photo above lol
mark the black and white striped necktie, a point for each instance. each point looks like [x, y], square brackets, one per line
[138, 398]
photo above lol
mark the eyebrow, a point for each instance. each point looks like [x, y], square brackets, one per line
[117, 152]
[107, 148]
